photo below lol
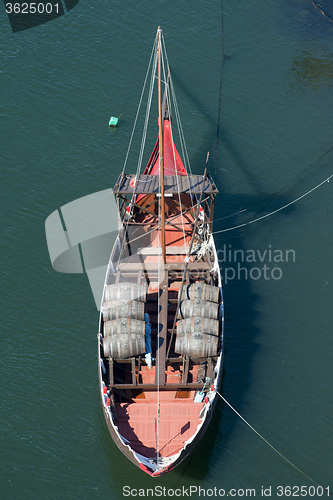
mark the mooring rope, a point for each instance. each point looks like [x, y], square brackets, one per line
[265, 440]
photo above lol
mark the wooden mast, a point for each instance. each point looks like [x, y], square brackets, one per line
[161, 145]
[163, 287]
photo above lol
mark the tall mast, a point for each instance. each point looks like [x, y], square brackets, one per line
[161, 145]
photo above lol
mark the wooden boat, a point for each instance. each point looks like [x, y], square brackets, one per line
[160, 344]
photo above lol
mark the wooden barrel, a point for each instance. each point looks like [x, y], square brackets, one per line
[121, 308]
[197, 337]
[200, 291]
[198, 307]
[125, 291]
[124, 338]
[198, 324]
[124, 326]
[196, 344]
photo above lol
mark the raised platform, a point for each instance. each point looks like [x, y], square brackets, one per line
[173, 185]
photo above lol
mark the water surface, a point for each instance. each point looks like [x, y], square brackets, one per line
[61, 82]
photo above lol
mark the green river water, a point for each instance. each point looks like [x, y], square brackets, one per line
[60, 83]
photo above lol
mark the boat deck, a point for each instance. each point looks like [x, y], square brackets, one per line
[136, 422]
[179, 417]
[156, 410]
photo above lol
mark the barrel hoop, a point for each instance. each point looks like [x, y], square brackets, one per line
[206, 291]
[122, 308]
[195, 344]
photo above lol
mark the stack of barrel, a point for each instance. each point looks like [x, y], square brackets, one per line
[123, 315]
[197, 321]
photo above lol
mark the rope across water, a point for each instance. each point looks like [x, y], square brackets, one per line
[275, 211]
[265, 440]
[274, 195]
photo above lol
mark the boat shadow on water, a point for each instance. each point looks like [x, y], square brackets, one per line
[241, 334]
[240, 300]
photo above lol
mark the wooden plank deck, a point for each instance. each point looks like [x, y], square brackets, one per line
[149, 184]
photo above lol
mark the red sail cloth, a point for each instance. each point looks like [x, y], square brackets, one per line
[173, 164]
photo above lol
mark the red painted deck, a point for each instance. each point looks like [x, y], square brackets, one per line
[179, 418]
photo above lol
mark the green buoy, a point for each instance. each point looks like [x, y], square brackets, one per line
[113, 121]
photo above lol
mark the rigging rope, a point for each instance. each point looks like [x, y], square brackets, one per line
[171, 98]
[274, 195]
[178, 120]
[144, 134]
[169, 106]
[140, 102]
[275, 211]
[265, 440]
[150, 95]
